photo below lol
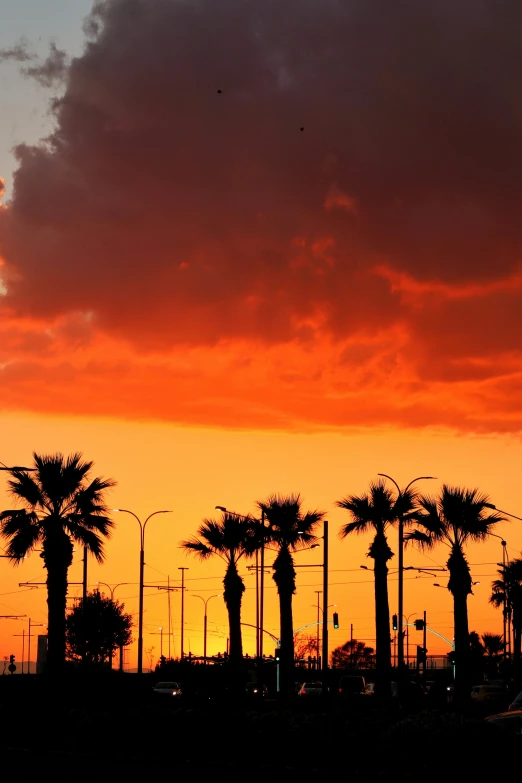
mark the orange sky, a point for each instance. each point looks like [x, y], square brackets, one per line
[268, 247]
[191, 470]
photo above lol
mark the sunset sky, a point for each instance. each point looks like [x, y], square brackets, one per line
[258, 246]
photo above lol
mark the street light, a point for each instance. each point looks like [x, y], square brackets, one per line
[142, 569]
[113, 589]
[507, 609]
[490, 505]
[400, 632]
[205, 601]
[16, 467]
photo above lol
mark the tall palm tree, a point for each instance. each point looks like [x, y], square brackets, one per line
[507, 593]
[231, 538]
[289, 530]
[455, 518]
[376, 512]
[62, 505]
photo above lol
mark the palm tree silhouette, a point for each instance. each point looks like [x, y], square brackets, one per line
[507, 593]
[289, 530]
[62, 506]
[375, 512]
[455, 518]
[231, 538]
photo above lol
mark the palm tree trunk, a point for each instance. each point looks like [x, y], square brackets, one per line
[56, 608]
[57, 556]
[382, 628]
[233, 595]
[284, 577]
[381, 553]
[459, 585]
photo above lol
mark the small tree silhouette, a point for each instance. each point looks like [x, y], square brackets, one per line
[97, 626]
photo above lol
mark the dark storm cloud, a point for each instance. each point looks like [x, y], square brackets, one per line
[180, 201]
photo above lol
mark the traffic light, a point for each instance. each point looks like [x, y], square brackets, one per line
[421, 654]
[419, 625]
[451, 656]
[277, 654]
[11, 659]
[394, 622]
[335, 620]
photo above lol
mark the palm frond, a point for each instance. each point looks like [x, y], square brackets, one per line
[203, 551]
[25, 487]
[424, 540]
[22, 530]
[287, 525]
[90, 539]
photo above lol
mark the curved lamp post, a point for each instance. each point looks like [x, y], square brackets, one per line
[205, 601]
[142, 569]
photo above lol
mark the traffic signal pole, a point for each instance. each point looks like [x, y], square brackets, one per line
[425, 650]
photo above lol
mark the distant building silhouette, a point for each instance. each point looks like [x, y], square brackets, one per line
[41, 654]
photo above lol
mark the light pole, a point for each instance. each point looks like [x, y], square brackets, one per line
[506, 609]
[408, 639]
[319, 609]
[324, 566]
[400, 517]
[325, 607]
[182, 569]
[113, 589]
[142, 570]
[505, 563]
[318, 593]
[205, 601]
[16, 467]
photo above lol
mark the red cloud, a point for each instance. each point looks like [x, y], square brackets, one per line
[179, 231]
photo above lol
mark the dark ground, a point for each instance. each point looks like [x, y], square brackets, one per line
[112, 729]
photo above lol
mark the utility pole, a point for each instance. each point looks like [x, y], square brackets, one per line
[325, 607]
[318, 593]
[182, 569]
[168, 611]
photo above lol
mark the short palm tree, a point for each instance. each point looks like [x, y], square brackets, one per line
[493, 644]
[376, 512]
[507, 593]
[288, 531]
[230, 538]
[62, 505]
[455, 518]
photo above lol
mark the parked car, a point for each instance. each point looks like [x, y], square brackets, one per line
[508, 721]
[167, 689]
[255, 690]
[516, 704]
[482, 694]
[352, 685]
[311, 689]
[369, 689]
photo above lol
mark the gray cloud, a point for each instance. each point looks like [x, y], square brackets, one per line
[19, 52]
[52, 70]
